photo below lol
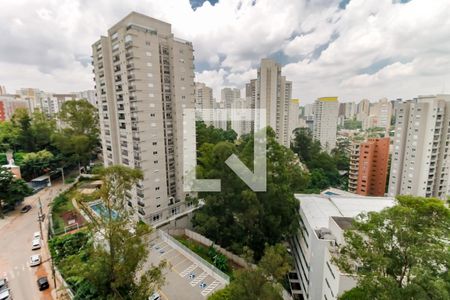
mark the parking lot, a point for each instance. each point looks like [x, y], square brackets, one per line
[185, 279]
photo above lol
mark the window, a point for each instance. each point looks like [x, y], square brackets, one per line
[155, 152]
[155, 161]
[157, 188]
[154, 143]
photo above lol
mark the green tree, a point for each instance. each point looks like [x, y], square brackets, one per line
[35, 164]
[22, 121]
[402, 252]
[261, 282]
[9, 134]
[115, 264]
[237, 216]
[79, 138]
[12, 191]
[212, 135]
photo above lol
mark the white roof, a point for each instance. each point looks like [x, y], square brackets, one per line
[319, 208]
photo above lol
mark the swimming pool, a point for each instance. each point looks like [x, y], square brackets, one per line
[100, 210]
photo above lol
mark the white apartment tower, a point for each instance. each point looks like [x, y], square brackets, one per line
[229, 95]
[380, 115]
[144, 79]
[326, 111]
[204, 99]
[274, 93]
[420, 163]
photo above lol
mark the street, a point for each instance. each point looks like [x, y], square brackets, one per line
[16, 235]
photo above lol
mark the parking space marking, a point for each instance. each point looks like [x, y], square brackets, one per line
[199, 279]
[188, 270]
[210, 288]
[167, 252]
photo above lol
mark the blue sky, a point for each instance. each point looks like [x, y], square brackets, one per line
[351, 49]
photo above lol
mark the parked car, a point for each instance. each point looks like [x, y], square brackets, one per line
[35, 260]
[5, 294]
[43, 283]
[3, 284]
[37, 235]
[36, 244]
[25, 209]
[155, 296]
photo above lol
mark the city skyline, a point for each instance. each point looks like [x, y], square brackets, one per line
[319, 45]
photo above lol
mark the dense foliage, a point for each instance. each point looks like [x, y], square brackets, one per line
[261, 282]
[39, 145]
[12, 191]
[237, 216]
[402, 252]
[323, 167]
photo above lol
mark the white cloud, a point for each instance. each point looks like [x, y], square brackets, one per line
[371, 49]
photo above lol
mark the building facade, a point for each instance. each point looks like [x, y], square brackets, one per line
[229, 95]
[204, 100]
[325, 121]
[9, 104]
[274, 93]
[420, 163]
[369, 167]
[323, 220]
[144, 79]
[380, 115]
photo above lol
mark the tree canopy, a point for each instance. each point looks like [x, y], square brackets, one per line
[323, 167]
[115, 263]
[12, 191]
[237, 216]
[402, 252]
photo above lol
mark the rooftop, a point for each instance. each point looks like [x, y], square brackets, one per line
[343, 222]
[319, 208]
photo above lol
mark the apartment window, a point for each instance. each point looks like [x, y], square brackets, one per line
[157, 188]
[156, 217]
[155, 152]
[155, 161]
[152, 115]
[154, 143]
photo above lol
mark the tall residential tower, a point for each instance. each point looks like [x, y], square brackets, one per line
[326, 111]
[144, 79]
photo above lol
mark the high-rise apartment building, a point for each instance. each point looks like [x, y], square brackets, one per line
[380, 115]
[2, 90]
[229, 95]
[368, 167]
[239, 123]
[420, 162]
[325, 121]
[363, 110]
[144, 79]
[204, 100]
[89, 95]
[9, 104]
[273, 93]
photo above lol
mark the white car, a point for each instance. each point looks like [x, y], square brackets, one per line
[5, 295]
[35, 260]
[155, 296]
[37, 235]
[36, 244]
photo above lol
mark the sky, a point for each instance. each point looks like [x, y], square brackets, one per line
[352, 49]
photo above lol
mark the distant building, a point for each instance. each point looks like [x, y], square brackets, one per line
[89, 95]
[369, 167]
[420, 161]
[9, 104]
[325, 121]
[294, 115]
[274, 93]
[380, 115]
[2, 90]
[203, 96]
[363, 110]
[323, 219]
[239, 123]
[229, 95]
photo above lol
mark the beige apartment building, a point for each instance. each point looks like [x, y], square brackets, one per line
[144, 79]
[204, 99]
[273, 93]
[420, 162]
[326, 111]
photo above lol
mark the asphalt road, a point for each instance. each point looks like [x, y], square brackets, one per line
[16, 234]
